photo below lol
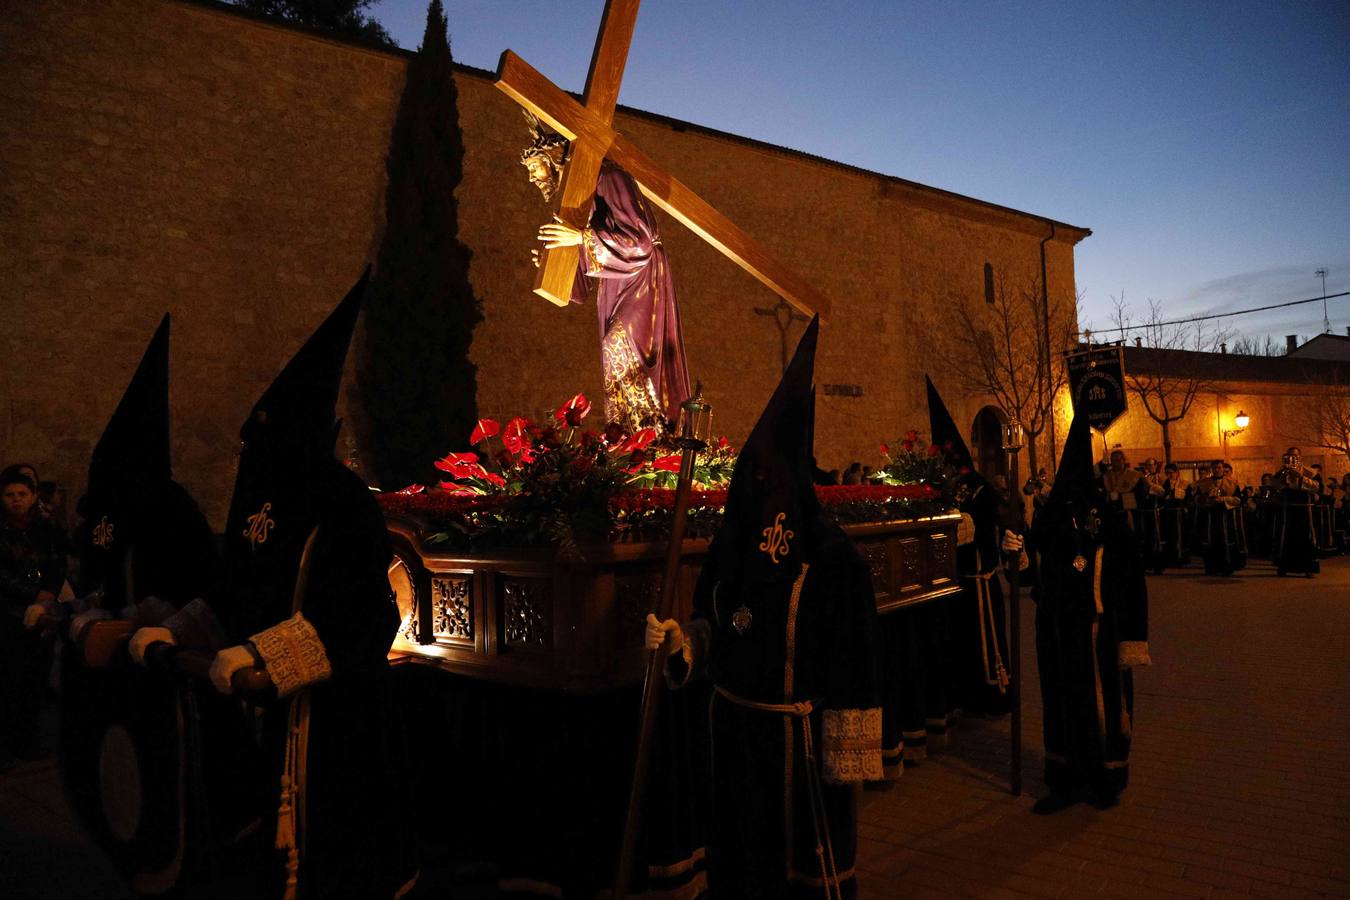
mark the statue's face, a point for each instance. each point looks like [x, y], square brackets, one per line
[542, 175]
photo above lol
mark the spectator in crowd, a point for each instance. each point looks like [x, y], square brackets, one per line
[28, 471]
[32, 571]
[854, 473]
[1038, 488]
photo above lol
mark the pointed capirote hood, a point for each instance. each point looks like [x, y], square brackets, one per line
[1076, 478]
[772, 516]
[135, 446]
[946, 435]
[295, 415]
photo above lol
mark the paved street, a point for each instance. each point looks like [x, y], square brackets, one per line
[1240, 781]
[1240, 769]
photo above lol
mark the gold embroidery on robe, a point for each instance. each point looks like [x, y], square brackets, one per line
[852, 745]
[294, 655]
[630, 396]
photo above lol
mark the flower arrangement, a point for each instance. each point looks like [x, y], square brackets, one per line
[914, 461]
[531, 484]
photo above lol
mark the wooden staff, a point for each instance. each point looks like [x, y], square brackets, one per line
[1012, 444]
[689, 445]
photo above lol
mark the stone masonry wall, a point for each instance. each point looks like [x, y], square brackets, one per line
[161, 155]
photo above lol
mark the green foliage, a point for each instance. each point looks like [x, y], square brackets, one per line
[417, 385]
[344, 17]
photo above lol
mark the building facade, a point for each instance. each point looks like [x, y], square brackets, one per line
[179, 155]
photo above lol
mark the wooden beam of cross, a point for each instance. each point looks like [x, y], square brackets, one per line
[589, 126]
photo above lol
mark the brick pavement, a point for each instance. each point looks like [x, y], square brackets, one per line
[1240, 769]
[1240, 781]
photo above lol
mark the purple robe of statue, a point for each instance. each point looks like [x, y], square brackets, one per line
[642, 348]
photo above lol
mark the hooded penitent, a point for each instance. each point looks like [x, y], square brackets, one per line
[1091, 627]
[771, 520]
[132, 501]
[286, 449]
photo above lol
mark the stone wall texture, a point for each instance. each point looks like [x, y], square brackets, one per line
[168, 155]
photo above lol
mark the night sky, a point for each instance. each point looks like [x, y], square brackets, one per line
[1207, 145]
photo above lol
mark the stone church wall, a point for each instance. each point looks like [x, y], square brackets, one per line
[170, 155]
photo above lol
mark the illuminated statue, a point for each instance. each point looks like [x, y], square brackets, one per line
[642, 349]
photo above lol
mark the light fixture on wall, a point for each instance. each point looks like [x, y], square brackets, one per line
[1241, 421]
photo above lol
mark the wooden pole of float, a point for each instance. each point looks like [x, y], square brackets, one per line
[1012, 444]
[689, 443]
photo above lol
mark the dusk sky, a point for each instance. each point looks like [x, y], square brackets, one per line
[1207, 145]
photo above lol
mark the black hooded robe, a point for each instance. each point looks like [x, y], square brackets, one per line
[809, 641]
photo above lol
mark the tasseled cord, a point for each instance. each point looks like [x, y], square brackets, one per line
[290, 827]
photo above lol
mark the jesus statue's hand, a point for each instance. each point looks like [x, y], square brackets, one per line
[534, 257]
[559, 234]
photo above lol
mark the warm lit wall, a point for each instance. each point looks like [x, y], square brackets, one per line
[164, 155]
[1277, 420]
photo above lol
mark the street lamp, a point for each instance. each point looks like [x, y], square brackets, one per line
[1241, 420]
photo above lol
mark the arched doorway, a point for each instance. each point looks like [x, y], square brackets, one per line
[986, 442]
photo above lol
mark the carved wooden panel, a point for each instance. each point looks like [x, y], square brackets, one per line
[527, 613]
[451, 607]
[878, 560]
[637, 595]
[940, 546]
[911, 564]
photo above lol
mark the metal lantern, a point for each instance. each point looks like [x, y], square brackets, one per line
[1012, 436]
[696, 419]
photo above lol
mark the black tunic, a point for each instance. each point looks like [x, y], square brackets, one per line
[808, 645]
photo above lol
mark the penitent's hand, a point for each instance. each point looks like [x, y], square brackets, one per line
[559, 234]
[665, 634]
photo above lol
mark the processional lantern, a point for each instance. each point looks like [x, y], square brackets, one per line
[695, 421]
[1012, 436]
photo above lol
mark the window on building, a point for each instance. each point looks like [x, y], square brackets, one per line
[989, 284]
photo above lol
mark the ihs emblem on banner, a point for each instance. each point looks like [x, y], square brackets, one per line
[260, 524]
[103, 534]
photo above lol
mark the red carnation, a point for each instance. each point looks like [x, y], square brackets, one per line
[911, 435]
[485, 429]
[573, 411]
[934, 450]
[885, 451]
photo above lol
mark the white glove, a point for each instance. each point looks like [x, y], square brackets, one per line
[226, 663]
[665, 633]
[80, 623]
[36, 611]
[1013, 542]
[143, 638]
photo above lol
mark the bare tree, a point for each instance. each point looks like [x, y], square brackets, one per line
[1323, 420]
[1006, 354]
[1167, 392]
[1249, 346]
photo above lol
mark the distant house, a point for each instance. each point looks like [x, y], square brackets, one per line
[1276, 393]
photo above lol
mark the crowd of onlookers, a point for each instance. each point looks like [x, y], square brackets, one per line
[35, 566]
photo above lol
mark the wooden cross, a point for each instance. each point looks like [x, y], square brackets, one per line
[783, 316]
[589, 126]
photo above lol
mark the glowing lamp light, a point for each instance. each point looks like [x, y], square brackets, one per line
[1012, 436]
[1242, 420]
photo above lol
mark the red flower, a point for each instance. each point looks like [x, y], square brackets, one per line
[460, 465]
[493, 478]
[885, 451]
[667, 463]
[457, 490]
[911, 435]
[723, 443]
[513, 437]
[485, 429]
[908, 445]
[638, 441]
[573, 411]
[636, 459]
[589, 440]
[934, 450]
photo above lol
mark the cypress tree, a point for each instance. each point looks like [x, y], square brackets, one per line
[418, 388]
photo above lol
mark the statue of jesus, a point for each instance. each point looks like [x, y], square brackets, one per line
[642, 349]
